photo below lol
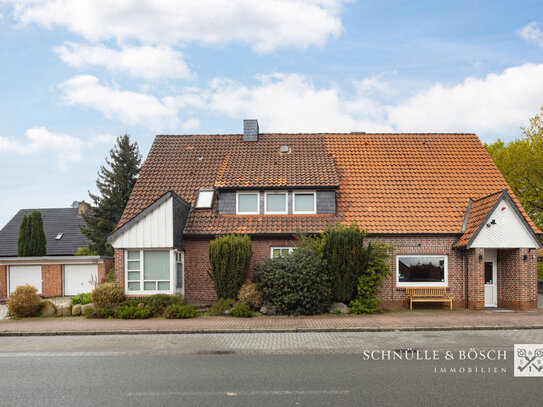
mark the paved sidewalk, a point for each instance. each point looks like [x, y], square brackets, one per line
[403, 320]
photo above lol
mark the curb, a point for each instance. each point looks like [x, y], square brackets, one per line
[266, 330]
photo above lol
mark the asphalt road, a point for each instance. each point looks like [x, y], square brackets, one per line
[265, 369]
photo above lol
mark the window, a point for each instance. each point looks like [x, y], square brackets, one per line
[205, 198]
[275, 202]
[247, 203]
[59, 236]
[280, 251]
[304, 202]
[179, 269]
[421, 270]
[148, 270]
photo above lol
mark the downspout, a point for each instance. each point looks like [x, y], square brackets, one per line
[466, 278]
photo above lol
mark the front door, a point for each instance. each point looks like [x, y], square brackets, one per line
[491, 286]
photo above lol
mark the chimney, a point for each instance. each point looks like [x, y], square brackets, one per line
[82, 207]
[250, 130]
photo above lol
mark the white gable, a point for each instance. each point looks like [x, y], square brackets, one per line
[155, 229]
[508, 231]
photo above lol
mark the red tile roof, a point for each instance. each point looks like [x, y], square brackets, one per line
[388, 183]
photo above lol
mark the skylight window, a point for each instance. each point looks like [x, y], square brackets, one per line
[59, 236]
[205, 198]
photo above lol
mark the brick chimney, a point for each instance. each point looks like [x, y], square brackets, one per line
[82, 207]
[250, 130]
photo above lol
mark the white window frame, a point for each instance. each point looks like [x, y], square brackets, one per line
[290, 249]
[173, 268]
[197, 206]
[444, 283]
[238, 193]
[314, 211]
[266, 193]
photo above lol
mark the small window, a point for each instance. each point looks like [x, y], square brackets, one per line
[59, 236]
[280, 251]
[276, 203]
[421, 270]
[304, 203]
[205, 198]
[247, 203]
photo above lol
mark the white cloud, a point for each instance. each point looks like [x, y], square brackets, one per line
[39, 140]
[532, 33]
[263, 24]
[150, 63]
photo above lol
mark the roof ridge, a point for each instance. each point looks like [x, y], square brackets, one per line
[339, 133]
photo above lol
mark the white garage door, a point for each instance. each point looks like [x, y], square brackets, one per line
[79, 278]
[23, 275]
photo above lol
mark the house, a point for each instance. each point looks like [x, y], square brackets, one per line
[438, 199]
[59, 272]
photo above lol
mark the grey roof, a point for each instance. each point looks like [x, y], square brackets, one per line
[55, 221]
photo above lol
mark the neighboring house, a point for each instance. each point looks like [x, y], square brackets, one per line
[437, 198]
[59, 272]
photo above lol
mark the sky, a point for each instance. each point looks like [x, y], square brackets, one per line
[75, 74]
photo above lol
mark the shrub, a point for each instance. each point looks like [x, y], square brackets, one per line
[131, 311]
[179, 311]
[31, 240]
[540, 271]
[295, 283]
[25, 302]
[107, 295]
[346, 257]
[159, 302]
[99, 313]
[241, 310]
[221, 305]
[249, 295]
[370, 281]
[83, 298]
[230, 258]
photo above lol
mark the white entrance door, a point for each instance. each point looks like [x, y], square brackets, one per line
[491, 277]
[23, 275]
[80, 278]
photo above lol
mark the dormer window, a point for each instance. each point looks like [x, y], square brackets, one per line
[247, 203]
[205, 198]
[305, 203]
[275, 203]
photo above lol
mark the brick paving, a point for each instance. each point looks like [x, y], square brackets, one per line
[425, 318]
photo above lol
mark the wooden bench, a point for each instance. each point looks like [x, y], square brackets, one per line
[427, 294]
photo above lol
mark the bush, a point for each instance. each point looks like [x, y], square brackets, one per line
[230, 258]
[25, 302]
[99, 313]
[159, 302]
[540, 271]
[83, 299]
[369, 283]
[295, 283]
[179, 311]
[221, 305]
[241, 310]
[346, 257]
[250, 296]
[107, 295]
[131, 311]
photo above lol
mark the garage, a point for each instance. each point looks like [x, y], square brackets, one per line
[80, 278]
[23, 275]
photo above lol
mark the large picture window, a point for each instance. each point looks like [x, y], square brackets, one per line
[421, 270]
[148, 271]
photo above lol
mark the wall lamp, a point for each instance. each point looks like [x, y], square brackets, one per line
[480, 257]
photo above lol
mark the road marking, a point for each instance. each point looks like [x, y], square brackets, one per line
[240, 393]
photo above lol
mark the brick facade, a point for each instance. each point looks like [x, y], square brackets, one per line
[3, 282]
[119, 267]
[103, 269]
[517, 279]
[51, 275]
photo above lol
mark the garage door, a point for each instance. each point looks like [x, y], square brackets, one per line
[23, 275]
[79, 278]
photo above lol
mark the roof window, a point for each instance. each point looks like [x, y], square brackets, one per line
[59, 236]
[205, 198]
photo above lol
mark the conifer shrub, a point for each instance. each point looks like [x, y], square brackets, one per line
[100, 313]
[179, 311]
[250, 296]
[241, 310]
[157, 303]
[25, 302]
[230, 259]
[107, 295]
[221, 305]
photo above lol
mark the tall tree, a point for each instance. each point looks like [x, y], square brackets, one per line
[32, 240]
[521, 163]
[115, 182]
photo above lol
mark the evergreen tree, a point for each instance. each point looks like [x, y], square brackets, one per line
[115, 182]
[32, 240]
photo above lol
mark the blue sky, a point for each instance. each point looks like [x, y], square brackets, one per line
[74, 74]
